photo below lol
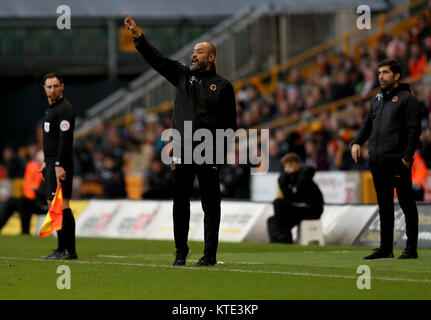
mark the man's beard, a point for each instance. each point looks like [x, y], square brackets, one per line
[200, 66]
[387, 86]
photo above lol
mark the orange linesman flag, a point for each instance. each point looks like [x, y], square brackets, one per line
[54, 217]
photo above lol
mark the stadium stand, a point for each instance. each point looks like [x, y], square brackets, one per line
[313, 103]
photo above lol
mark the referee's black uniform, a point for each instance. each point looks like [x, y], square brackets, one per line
[393, 126]
[58, 127]
[207, 100]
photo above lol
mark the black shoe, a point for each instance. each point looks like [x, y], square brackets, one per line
[409, 253]
[180, 258]
[68, 256]
[206, 261]
[55, 255]
[379, 254]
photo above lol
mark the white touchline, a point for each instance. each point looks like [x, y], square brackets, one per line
[152, 257]
[287, 273]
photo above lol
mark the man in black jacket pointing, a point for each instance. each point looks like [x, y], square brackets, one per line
[206, 101]
[392, 126]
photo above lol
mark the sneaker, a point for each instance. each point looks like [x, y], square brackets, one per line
[409, 253]
[379, 254]
[55, 255]
[180, 259]
[68, 256]
[206, 261]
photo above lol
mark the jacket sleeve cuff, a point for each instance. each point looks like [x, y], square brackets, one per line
[137, 41]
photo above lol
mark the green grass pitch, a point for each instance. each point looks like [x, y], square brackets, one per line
[141, 269]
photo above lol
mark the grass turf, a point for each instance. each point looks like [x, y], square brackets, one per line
[141, 269]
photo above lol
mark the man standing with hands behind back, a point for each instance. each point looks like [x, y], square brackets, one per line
[58, 126]
[392, 126]
[207, 100]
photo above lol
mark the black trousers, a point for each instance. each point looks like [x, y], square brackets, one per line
[209, 188]
[285, 218]
[25, 207]
[386, 177]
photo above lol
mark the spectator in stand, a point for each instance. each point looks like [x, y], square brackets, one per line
[419, 174]
[274, 156]
[326, 87]
[294, 78]
[254, 110]
[313, 97]
[114, 186]
[296, 145]
[247, 119]
[283, 108]
[421, 29]
[427, 47]
[12, 163]
[99, 138]
[294, 99]
[235, 179]
[302, 199]
[33, 198]
[426, 146]
[360, 112]
[369, 83]
[427, 98]
[417, 61]
[403, 58]
[266, 112]
[342, 88]
[315, 157]
[83, 155]
[323, 66]
[280, 93]
[335, 155]
[3, 173]
[115, 143]
[280, 136]
[158, 180]
[252, 94]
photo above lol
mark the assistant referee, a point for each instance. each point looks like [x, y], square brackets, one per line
[58, 126]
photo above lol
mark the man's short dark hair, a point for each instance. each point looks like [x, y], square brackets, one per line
[52, 75]
[393, 65]
[291, 158]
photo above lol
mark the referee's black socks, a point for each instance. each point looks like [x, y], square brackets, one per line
[68, 232]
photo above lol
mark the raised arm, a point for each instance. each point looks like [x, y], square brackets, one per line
[170, 69]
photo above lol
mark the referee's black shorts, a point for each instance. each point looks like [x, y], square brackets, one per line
[51, 179]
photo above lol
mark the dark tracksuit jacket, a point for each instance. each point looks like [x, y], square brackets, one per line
[393, 126]
[301, 193]
[302, 199]
[58, 127]
[204, 98]
[208, 101]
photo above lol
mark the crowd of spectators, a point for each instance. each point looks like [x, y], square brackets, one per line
[112, 154]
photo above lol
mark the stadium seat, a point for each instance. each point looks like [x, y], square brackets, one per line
[310, 232]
